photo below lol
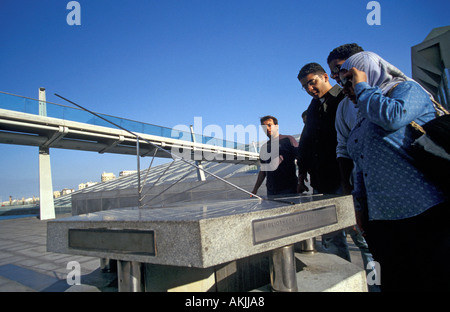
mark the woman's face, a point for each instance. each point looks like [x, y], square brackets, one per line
[345, 80]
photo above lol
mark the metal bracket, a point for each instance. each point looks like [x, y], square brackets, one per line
[115, 143]
[57, 135]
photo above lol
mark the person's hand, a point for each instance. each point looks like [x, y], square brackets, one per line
[301, 187]
[356, 75]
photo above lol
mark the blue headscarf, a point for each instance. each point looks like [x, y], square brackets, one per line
[380, 73]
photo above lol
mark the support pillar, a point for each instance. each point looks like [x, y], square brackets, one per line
[282, 270]
[130, 276]
[198, 163]
[308, 246]
[46, 204]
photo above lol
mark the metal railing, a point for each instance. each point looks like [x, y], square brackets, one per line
[27, 105]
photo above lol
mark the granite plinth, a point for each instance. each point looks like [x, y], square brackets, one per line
[162, 195]
[203, 235]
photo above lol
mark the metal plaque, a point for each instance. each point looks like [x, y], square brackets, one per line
[269, 229]
[120, 241]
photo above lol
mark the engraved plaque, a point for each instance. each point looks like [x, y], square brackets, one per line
[269, 229]
[120, 241]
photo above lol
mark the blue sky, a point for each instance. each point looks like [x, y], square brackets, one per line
[167, 61]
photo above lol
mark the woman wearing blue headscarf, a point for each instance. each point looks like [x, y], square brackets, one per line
[404, 214]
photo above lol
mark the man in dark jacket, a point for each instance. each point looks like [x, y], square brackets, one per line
[317, 145]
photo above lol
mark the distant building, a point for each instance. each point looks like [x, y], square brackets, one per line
[431, 64]
[125, 173]
[85, 185]
[106, 176]
[67, 191]
[56, 194]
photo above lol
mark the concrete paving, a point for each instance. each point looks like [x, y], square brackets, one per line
[26, 266]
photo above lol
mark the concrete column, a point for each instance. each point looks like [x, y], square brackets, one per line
[46, 204]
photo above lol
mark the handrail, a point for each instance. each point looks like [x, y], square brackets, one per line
[31, 106]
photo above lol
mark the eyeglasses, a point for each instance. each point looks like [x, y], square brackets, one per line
[336, 70]
[310, 83]
[345, 81]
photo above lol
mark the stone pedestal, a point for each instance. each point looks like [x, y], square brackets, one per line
[209, 236]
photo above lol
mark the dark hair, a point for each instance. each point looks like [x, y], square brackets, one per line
[262, 119]
[343, 52]
[310, 68]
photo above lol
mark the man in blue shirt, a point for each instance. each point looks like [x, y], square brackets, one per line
[345, 113]
[345, 121]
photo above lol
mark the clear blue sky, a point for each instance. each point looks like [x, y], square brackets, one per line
[168, 61]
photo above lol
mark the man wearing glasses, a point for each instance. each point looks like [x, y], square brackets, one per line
[345, 113]
[345, 121]
[317, 145]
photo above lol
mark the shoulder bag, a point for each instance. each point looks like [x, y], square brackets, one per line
[430, 148]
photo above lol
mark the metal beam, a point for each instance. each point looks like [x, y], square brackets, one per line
[200, 172]
[120, 139]
[57, 135]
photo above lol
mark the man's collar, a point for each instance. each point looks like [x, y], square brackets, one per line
[335, 90]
